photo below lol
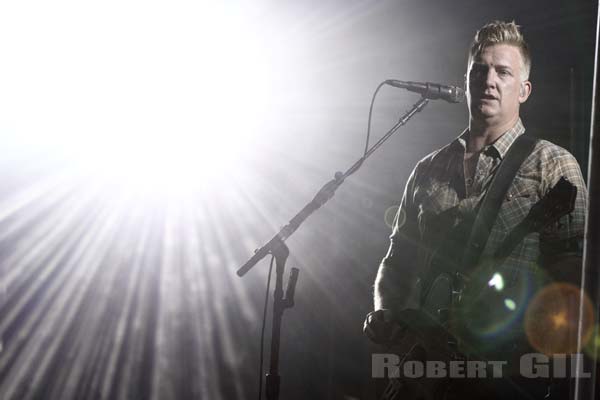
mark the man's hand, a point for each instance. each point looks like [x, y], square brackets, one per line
[380, 327]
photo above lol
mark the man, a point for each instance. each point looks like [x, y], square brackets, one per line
[441, 199]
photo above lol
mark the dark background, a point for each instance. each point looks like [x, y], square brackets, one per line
[151, 321]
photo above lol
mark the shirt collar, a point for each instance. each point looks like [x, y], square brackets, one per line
[500, 146]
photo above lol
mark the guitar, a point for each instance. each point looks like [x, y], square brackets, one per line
[429, 329]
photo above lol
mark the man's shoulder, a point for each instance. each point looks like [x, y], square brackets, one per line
[548, 149]
[548, 162]
[437, 157]
[547, 152]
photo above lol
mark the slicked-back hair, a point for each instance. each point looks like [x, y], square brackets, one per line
[500, 32]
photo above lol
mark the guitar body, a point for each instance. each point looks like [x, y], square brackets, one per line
[430, 332]
[427, 338]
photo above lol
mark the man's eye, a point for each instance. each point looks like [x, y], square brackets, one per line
[477, 73]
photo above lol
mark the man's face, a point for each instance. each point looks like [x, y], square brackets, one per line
[494, 87]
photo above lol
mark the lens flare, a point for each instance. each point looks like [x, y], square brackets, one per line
[510, 304]
[497, 282]
[592, 345]
[389, 216]
[493, 305]
[552, 318]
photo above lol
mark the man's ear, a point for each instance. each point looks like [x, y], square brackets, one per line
[524, 91]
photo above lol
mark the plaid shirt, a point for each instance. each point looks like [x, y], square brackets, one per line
[437, 198]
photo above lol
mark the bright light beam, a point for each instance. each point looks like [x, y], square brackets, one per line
[149, 96]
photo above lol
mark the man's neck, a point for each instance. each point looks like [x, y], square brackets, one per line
[483, 134]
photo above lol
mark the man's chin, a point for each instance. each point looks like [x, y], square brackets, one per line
[483, 113]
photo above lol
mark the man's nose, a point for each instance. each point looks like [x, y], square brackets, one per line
[490, 78]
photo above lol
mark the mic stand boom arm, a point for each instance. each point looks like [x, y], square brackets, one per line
[324, 194]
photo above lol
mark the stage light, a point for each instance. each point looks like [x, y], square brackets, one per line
[151, 98]
[106, 111]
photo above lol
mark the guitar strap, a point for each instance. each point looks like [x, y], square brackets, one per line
[490, 205]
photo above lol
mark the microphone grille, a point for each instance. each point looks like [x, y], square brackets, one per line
[458, 94]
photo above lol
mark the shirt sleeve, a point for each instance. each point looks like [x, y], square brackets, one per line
[563, 164]
[561, 242]
[396, 282]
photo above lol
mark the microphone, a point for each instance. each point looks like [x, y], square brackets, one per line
[433, 91]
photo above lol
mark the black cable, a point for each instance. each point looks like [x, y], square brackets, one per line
[262, 331]
[370, 115]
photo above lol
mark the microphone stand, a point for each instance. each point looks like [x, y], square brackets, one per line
[280, 251]
[280, 303]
